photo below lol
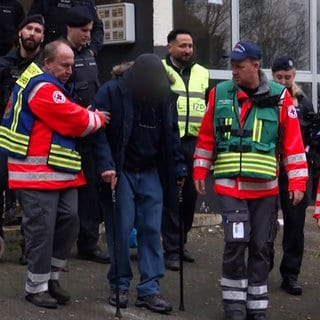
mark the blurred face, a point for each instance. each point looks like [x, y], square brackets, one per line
[31, 36]
[285, 77]
[245, 73]
[61, 66]
[181, 49]
[80, 36]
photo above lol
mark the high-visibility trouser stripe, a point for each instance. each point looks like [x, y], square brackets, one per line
[64, 163]
[299, 173]
[234, 295]
[257, 290]
[38, 288]
[55, 275]
[202, 163]
[59, 263]
[257, 304]
[268, 185]
[191, 94]
[40, 176]
[231, 283]
[30, 160]
[203, 153]
[38, 277]
[299, 157]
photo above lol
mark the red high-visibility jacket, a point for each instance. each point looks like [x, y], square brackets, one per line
[291, 146]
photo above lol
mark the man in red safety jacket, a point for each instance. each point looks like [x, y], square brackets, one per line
[248, 119]
[37, 133]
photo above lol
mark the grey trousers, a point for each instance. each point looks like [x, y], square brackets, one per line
[51, 224]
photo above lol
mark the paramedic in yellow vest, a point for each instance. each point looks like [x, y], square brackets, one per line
[191, 82]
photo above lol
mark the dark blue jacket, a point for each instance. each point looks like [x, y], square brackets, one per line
[110, 145]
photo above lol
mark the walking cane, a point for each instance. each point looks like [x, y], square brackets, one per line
[181, 248]
[115, 252]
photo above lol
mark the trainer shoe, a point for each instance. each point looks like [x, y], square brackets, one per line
[42, 299]
[55, 290]
[155, 303]
[123, 298]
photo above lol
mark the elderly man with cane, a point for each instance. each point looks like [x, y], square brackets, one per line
[141, 139]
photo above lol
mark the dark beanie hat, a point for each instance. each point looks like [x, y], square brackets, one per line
[282, 63]
[38, 18]
[78, 16]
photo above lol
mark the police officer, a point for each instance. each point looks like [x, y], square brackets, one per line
[30, 36]
[283, 71]
[55, 14]
[84, 84]
[11, 15]
[191, 81]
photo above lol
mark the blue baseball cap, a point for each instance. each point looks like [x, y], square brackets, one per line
[244, 50]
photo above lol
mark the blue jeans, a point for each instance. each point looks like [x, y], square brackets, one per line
[139, 205]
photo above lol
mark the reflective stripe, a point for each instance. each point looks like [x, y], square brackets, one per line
[34, 90]
[295, 158]
[64, 158]
[234, 295]
[36, 289]
[14, 141]
[55, 275]
[203, 153]
[202, 163]
[230, 183]
[40, 277]
[318, 197]
[246, 164]
[40, 176]
[297, 173]
[59, 263]
[193, 119]
[241, 283]
[190, 94]
[257, 290]
[259, 186]
[29, 160]
[317, 210]
[257, 304]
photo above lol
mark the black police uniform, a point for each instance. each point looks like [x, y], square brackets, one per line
[55, 11]
[84, 84]
[294, 216]
[11, 14]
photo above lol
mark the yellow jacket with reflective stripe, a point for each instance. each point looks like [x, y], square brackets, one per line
[191, 102]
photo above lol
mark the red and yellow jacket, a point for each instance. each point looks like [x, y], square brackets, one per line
[244, 187]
